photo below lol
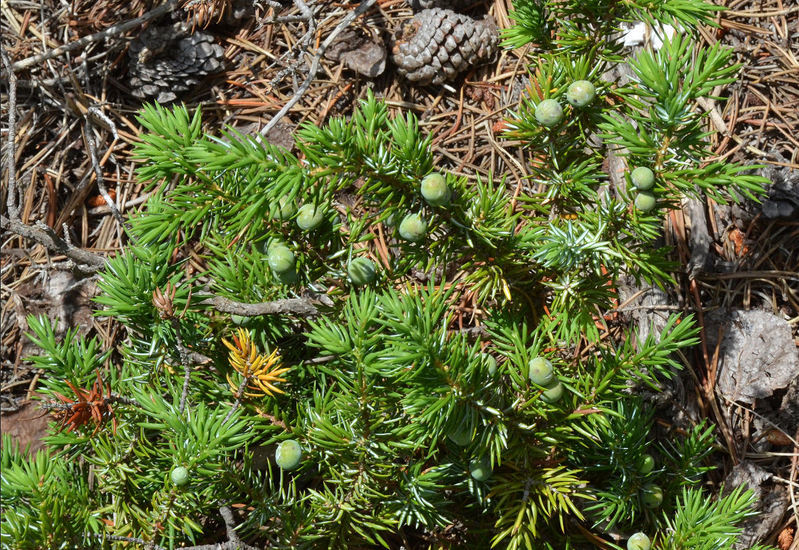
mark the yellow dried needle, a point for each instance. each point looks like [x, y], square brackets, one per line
[260, 372]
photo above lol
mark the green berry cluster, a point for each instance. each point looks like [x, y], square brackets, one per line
[436, 192]
[580, 93]
[643, 179]
[361, 271]
[542, 374]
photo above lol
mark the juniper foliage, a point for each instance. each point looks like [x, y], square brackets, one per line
[415, 431]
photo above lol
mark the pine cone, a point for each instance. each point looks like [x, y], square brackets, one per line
[437, 44]
[446, 4]
[163, 61]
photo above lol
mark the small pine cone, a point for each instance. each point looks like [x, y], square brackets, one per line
[163, 61]
[437, 44]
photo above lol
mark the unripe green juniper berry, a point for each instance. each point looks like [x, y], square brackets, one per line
[435, 190]
[541, 372]
[480, 468]
[652, 495]
[239, 319]
[180, 476]
[361, 271]
[549, 113]
[645, 201]
[288, 455]
[643, 178]
[553, 393]
[280, 258]
[284, 209]
[412, 228]
[638, 541]
[580, 93]
[647, 464]
[310, 216]
[288, 277]
[460, 436]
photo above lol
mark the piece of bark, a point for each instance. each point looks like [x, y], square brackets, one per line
[757, 353]
[771, 502]
[699, 238]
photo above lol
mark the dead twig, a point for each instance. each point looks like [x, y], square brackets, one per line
[98, 171]
[230, 527]
[301, 307]
[345, 22]
[110, 32]
[11, 154]
[86, 261]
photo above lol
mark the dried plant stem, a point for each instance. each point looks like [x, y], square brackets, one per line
[111, 399]
[184, 358]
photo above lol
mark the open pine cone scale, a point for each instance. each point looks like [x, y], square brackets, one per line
[437, 44]
[167, 60]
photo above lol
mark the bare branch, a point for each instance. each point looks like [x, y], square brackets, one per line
[87, 261]
[301, 307]
[230, 527]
